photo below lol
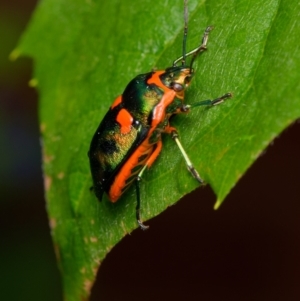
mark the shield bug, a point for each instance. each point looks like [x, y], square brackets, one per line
[129, 138]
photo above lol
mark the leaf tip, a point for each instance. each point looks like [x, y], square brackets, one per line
[33, 83]
[217, 204]
[14, 54]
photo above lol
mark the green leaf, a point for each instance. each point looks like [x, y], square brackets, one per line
[86, 52]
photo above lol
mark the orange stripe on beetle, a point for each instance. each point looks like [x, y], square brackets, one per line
[145, 151]
[117, 101]
[154, 79]
[125, 120]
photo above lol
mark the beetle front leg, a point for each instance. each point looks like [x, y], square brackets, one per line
[187, 160]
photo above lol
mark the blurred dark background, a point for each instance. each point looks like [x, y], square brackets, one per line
[247, 250]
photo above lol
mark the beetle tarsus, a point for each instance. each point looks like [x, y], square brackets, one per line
[221, 99]
[195, 174]
[142, 226]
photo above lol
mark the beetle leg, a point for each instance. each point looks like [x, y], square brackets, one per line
[207, 102]
[196, 51]
[188, 162]
[174, 134]
[138, 204]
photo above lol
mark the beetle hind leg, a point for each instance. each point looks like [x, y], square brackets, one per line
[148, 163]
[138, 204]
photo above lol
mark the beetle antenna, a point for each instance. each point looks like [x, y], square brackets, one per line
[185, 32]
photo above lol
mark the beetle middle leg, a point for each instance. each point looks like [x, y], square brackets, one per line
[207, 102]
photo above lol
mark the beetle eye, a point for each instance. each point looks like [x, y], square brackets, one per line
[177, 87]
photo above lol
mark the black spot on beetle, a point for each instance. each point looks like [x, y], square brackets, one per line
[108, 146]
